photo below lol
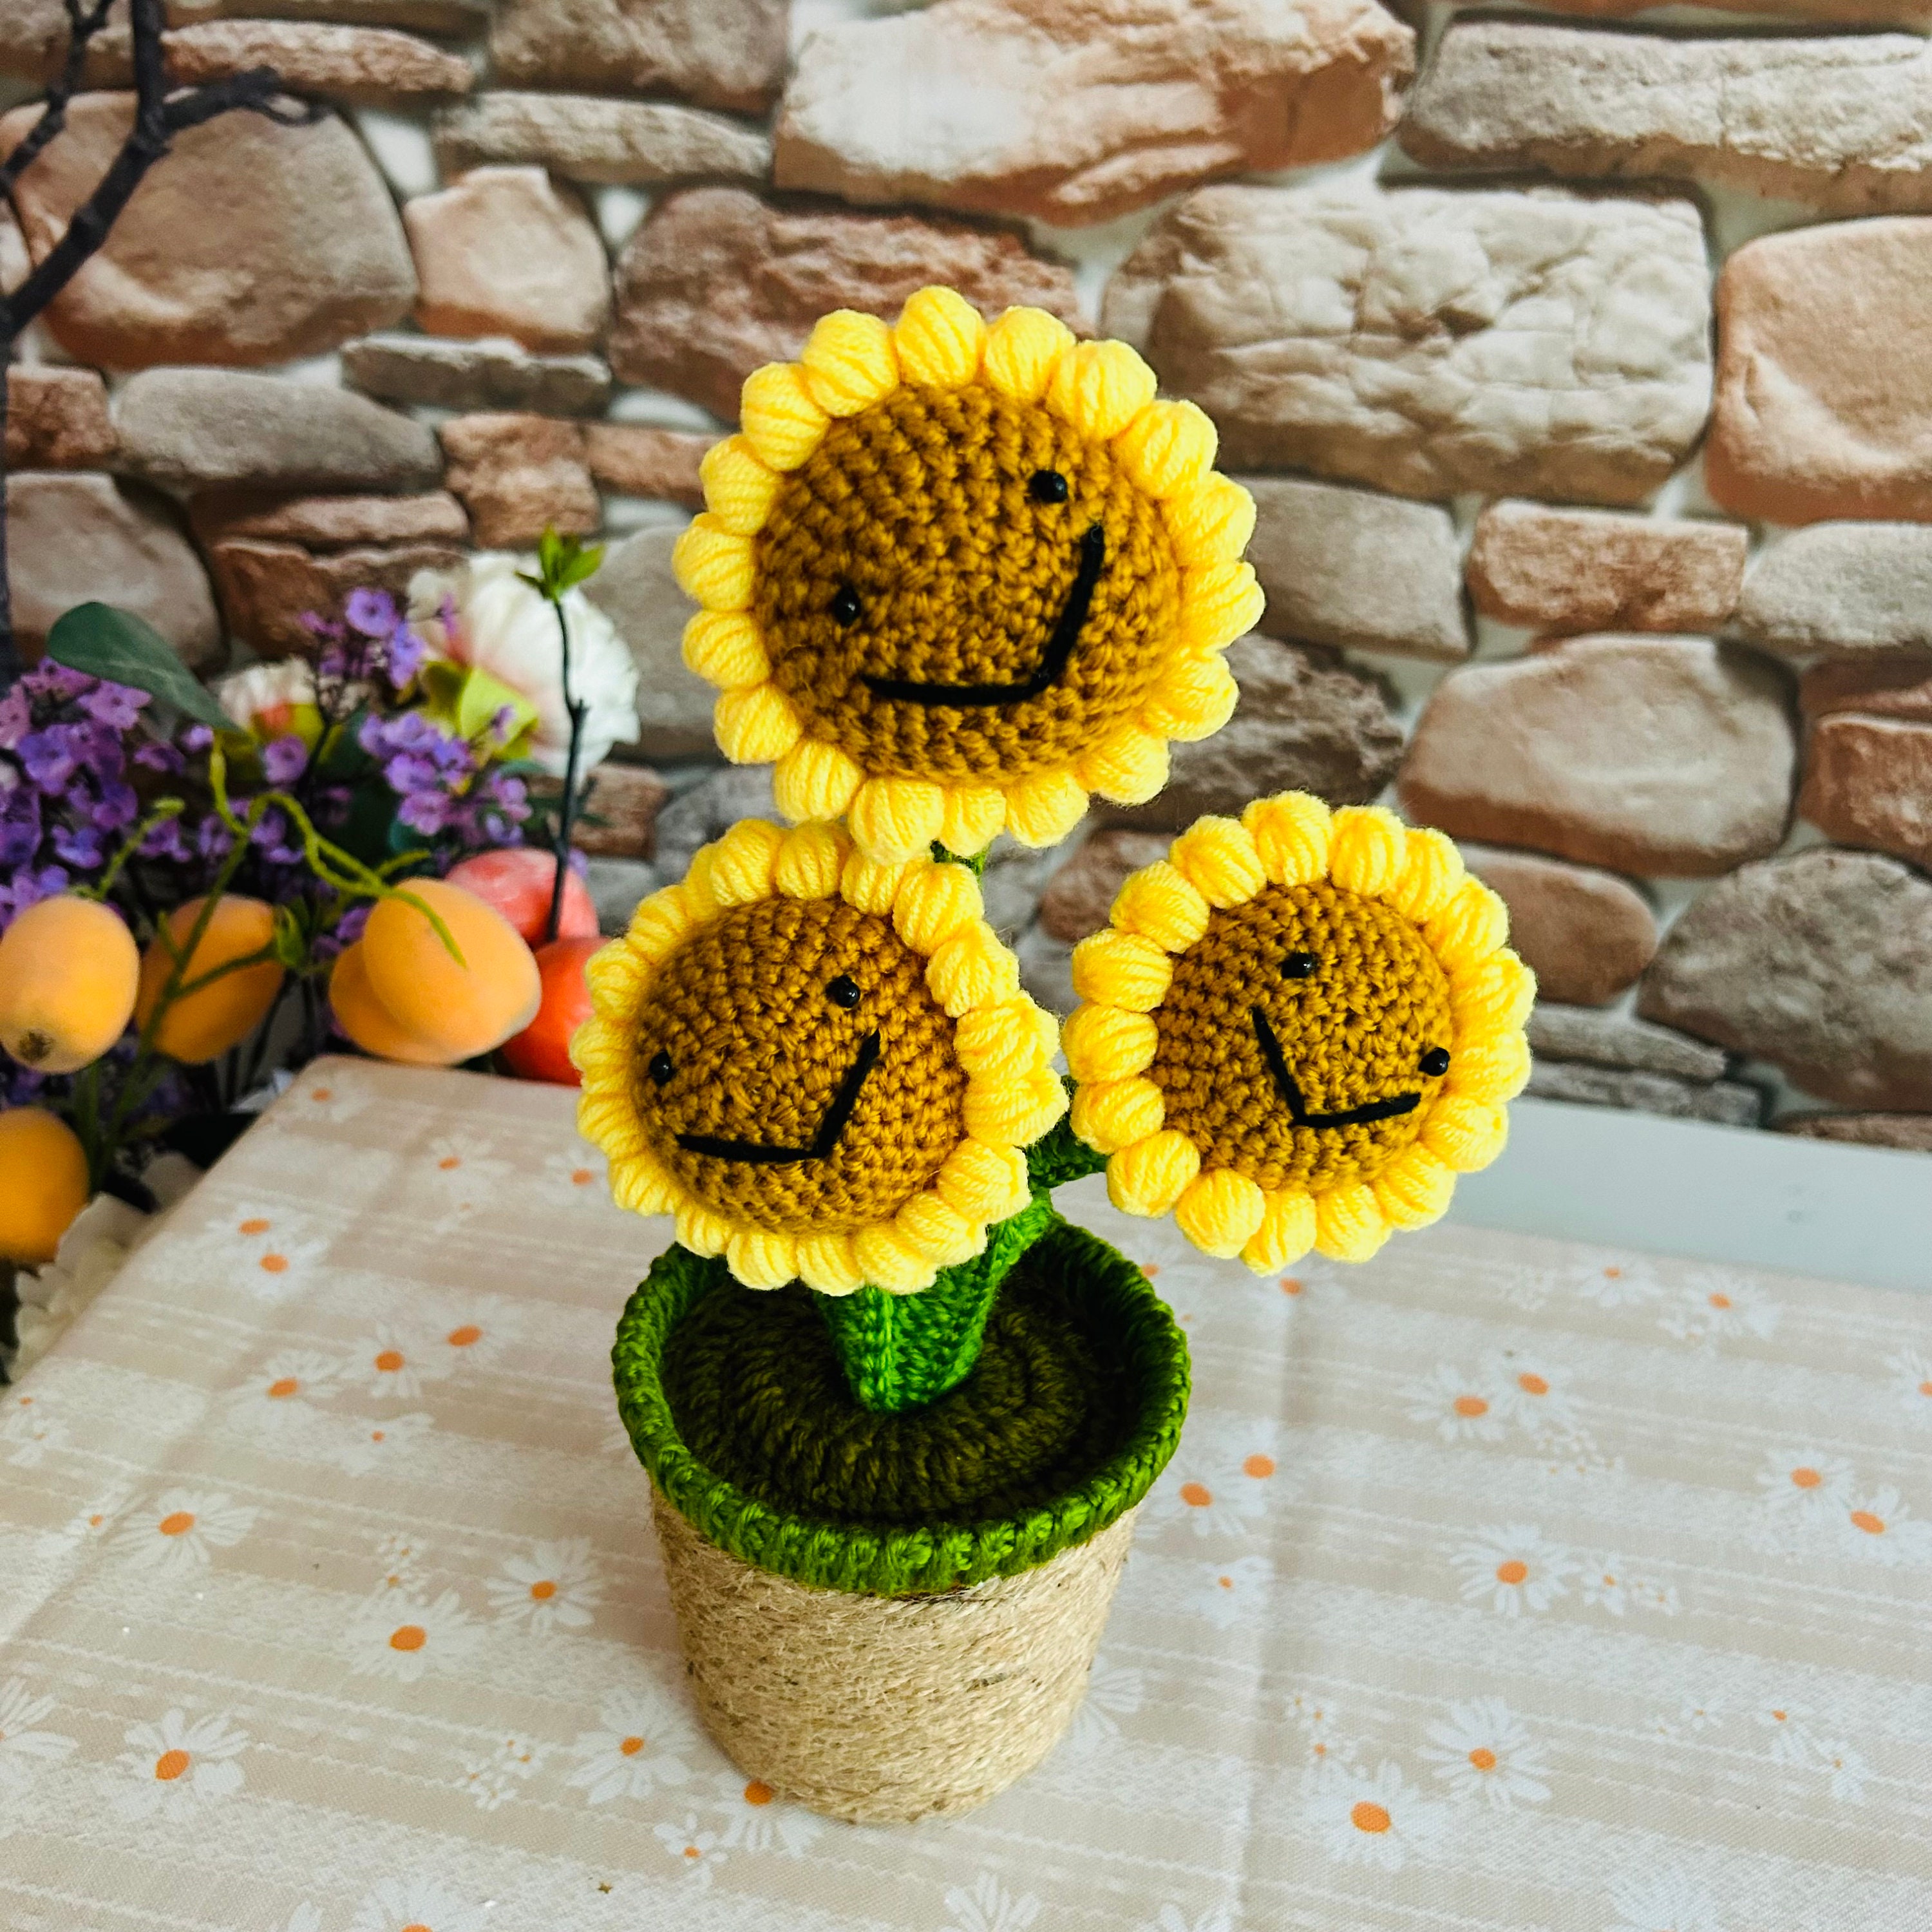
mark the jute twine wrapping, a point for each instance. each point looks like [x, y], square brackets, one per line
[884, 1709]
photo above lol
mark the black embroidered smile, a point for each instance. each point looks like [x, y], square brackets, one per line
[1053, 660]
[822, 1142]
[1397, 1104]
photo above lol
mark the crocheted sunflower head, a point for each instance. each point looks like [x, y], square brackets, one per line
[1297, 1029]
[956, 577]
[823, 1065]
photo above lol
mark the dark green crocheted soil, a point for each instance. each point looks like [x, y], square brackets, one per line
[737, 1403]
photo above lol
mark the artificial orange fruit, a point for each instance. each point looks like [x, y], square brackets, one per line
[43, 1184]
[365, 1020]
[201, 1026]
[69, 971]
[457, 1008]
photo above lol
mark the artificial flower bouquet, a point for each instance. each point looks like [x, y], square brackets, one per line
[898, 1411]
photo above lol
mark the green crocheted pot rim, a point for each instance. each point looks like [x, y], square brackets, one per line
[899, 1560]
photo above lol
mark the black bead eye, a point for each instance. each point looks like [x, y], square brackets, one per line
[1047, 486]
[1436, 1062]
[1299, 966]
[845, 604]
[843, 991]
[661, 1069]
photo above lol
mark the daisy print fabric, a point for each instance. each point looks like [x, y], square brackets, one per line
[1495, 1582]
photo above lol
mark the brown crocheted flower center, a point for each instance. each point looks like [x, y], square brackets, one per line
[959, 586]
[793, 1071]
[1304, 1038]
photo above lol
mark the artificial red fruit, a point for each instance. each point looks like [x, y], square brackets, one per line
[541, 1051]
[518, 881]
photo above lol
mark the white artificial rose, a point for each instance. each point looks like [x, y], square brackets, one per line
[503, 626]
[270, 692]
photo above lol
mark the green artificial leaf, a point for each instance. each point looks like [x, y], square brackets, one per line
[115, 644]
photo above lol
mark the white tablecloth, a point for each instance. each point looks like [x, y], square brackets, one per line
[1500, 1584]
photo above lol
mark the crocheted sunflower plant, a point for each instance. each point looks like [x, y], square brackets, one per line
[953, 579]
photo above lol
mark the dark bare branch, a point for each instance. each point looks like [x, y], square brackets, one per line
[85, 24]
[257, 90]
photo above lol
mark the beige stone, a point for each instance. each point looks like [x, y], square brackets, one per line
[1558, 1032]
[716, 281]
[255, 243]
[1648, 755]
[1868, 782]
[57, 419]
[328, 522]
[1729, 1102]
[639, 459]
[1844, 125]
[519, 475]
[638, 592]
[1429, 342]
[1563, 571]
[75, 539]
[468, 376]
[503, 252]
[1883, 684]
[624, 803]
[456, 19]
[1358, 570]
[722, 53]
[1830, 12]
[1079, 896]
[1585, 934]
[1821, 411]
[190, 429]
[1911, 1132]
[635, 143]
[1841, 588]
[1821, 963]
[366, 66]
[268, 588]
[1080, 110]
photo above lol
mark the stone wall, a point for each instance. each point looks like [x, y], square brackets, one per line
[1575, 379]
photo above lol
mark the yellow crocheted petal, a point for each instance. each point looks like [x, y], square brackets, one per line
[781, 421]
[940, 338]
[983, 1183]
[870, 885]
[1168, 448]
[1220, 1211]
[1432, 869]
[972, 969]
[640, 1185]
[600, 1048]
[607, 1117]
[848, 362]
[743, 861]
[1193, 697]
[897, 819]
[1218, 857]
[713, 565]
[1113, 968]
[972, 815]
[724, 648]
[1160, 904]
[944, 1236]
[887, 1262]
[1473, 924]
[1112, 1114]
[616, 974]
[1002, 1042]
[1367, 850]
[829, 1264]
[1349, 1223]
[1292, 832]
[755, 726]
[1130, 768]
[739, 486]
[1104, 1043]
[1045, 806]
[1099, 388]
[1013, 1112]
[1416, 1189]
[761, 1258]
[701, 1230]
[1464, 1135]
[1287, 1231]
[1149, 1176]
[697, 884]
[660, 921]
[1210, 522]
[936, 899]
[815, 780]
[1219, 603]
[1023, 349]
[1495, 994]
[1493, 1067]
[811, 861]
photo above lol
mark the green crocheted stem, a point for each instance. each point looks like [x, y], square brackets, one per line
[1057, 1157]
[901, 1351]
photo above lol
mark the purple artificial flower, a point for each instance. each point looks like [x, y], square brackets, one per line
[406, 652]
[284, 759]
[165, 841]
[213, 840]
[79, 845]
[196, 739]
[16, 716]
[29, 887]
[49, 678]
[117, 706]
[372, 612]
[276, 835]
[349, 928]
[51, 757]
[425, 812]
[160, 758]
[119, 806]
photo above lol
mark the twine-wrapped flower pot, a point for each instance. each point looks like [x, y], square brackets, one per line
[888, 1612]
